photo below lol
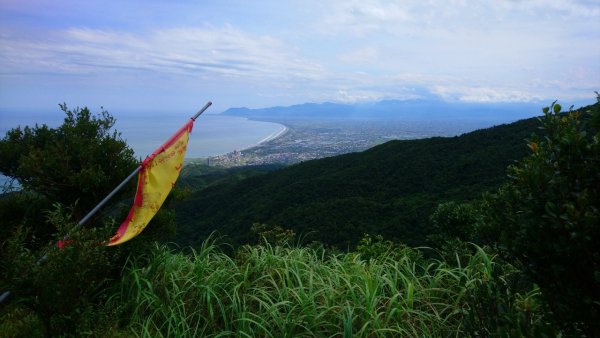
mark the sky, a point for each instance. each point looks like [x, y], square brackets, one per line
[175, 55]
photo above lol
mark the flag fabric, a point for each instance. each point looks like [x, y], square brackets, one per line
[156, 178]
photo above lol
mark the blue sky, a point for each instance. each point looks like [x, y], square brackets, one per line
[176, 55]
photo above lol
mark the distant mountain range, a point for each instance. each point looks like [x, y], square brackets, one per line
[411, 110]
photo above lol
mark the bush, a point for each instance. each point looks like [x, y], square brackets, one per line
[81, 160]
[64, 172]
[18, 321]
[452, 223]
[68, 291]
[548, 216]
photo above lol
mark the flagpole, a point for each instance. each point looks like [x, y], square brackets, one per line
[108, 197]
[125, 181]
[112, 193]
[44, 258]
[5, 295]
[202, 110]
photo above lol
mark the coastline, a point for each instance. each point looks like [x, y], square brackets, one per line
[271, 137]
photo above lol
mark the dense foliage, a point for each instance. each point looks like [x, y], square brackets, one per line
[64, 294]
[197, 176]
[281, 291]
[548, 216]
[80, 161]
[533, 274]
[390, 190]
[63, 173]
[75, 164]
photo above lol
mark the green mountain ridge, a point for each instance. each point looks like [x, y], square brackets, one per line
[390, 190]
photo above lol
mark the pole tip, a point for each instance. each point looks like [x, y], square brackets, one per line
[201, 110]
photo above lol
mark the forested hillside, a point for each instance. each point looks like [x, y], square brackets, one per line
[390, 189]
[521, 261]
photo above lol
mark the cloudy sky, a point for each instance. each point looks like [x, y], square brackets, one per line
[176, 55]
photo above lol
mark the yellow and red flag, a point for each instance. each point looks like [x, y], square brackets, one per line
[157, 176]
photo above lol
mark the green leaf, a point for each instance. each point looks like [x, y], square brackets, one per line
[557, 108]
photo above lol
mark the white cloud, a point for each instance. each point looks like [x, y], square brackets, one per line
[566, 9]
[337, 50]
[361, 17]
[353, 96]
[421, 18]
[469, 50]
[361, 56]
[208, 50]
[482, 94]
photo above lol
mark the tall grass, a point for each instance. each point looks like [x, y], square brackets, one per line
[274, 291]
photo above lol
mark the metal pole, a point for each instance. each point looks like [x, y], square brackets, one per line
[89, 215]
[115, 190]
[44, 258]
[202, 110]
[109, 196]
[4, 296]
[93, 211]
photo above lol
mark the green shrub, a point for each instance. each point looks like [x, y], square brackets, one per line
[18, 321]
[67, 289]
[548, 216]
[80, 161]
[64, 172]
[273, 235]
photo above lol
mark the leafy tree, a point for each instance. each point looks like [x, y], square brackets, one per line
[76, 163]
[67, 292]
[64, 172]
[275, 235]
[455, 220]
[548, 216]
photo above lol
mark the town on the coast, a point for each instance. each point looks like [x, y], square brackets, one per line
[307, 140]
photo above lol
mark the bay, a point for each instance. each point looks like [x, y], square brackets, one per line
[212, 135]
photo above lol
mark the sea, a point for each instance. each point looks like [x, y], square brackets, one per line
[212, 134]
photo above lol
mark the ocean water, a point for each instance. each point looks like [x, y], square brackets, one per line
[212, 134]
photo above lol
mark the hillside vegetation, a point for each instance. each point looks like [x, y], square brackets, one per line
[282, 291]
[520, 261]
[390, 190]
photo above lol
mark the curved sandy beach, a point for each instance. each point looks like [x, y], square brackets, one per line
[273, 136]
[268, 138]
